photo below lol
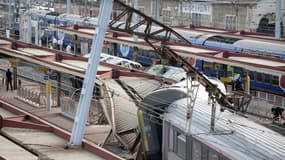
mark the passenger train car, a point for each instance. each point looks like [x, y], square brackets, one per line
[259, 81]
[215, 40]
[232, 137]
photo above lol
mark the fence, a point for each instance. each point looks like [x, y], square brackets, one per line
[262, 103]
[69, 105]
[35, 94]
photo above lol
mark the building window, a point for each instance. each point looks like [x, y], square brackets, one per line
[196, 19]
[231, 22]
[141, 9]
[166, 13]
[196, 150]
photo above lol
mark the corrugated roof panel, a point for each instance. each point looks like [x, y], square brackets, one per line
[260, 46]
[125, 111]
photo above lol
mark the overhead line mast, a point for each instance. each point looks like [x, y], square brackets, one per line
[163, 49]
[193, 75]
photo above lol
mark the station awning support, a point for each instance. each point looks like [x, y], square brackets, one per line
[80, 119]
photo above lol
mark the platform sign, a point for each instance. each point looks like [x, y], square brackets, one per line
[199, 8]
[14, 62]
[51, 77]
[48, 87]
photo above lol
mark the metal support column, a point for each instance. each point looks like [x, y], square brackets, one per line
[135, 18]
[10, 18]
[48, 93]
[80, 119]
[213, 115]
[15, 78]
[68, 6]
[192, 85]
[278, 19]
[154, 9]
[58, 89]
[37, 32]
[14, 63]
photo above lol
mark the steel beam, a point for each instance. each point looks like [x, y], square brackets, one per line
[150, 35]
[58, 131]
[17, 122]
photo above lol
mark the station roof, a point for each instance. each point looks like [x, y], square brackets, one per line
[36, 52]
[231, 33]
[213, 55]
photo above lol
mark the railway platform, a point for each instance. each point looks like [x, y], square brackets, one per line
[48, 145]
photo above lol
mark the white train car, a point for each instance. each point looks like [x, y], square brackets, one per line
[234, 137]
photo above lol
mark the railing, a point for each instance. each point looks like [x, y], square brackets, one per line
[261, 104]
[35, 95]
[69, 104]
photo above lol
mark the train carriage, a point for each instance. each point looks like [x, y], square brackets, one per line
[232, 136]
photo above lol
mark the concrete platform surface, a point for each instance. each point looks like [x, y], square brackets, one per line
[11, 151]
[46, 145]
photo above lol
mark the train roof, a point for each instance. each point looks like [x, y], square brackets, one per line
[175, 73]
[234, 135]
[261, 46]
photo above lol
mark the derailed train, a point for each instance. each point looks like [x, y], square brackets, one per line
[232, 136]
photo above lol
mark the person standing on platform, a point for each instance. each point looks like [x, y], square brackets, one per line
[239, 85]
[9, 80]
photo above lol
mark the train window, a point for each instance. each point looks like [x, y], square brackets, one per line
[251, 75]
[213, 155]
[181, 145]
[259, 77]
[266, 78]
[275, 80]
[276, 56]
[171, 148]
[222, 39]
[196, 150]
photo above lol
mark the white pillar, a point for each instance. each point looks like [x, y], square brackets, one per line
[135, 18]
[278, 19]
[10, 14]
[37, 32]
[154, 9]
[80, 119]
[68, 6]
